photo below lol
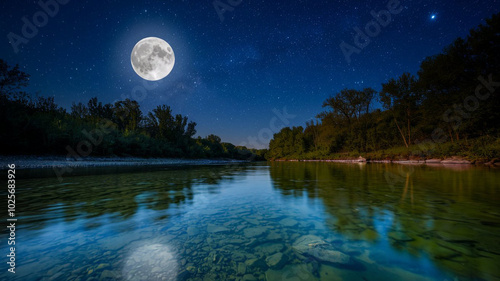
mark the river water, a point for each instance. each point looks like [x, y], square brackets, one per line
[265, 221]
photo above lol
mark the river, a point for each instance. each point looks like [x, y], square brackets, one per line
[262, 221]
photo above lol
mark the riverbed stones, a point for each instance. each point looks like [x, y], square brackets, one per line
[314, 246]
[330, 273]
[249, 277]
[242, 268]
[400, 236]
[212, 228]
[109, 275]
[369, 234]
[291, 272]
[238, 256]
[318, 225]
[254, 231]
[192, 231]
[270, 248]
[450, 231]
[235, 241]
[256, 264]
[273, 236]
[191, 268]
[303, 244]
[327, 255]
[288, 222]
[252, 221]
[276, 261]
[196, 240]
[444, 253]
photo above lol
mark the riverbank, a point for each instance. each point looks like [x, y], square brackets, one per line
[40, 162]
[433, 161]
[479, 151]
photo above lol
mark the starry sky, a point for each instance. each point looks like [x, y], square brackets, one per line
[232, 73]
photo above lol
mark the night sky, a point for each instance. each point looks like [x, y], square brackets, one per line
[230, 74]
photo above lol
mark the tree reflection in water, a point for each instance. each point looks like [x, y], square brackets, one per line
[448, 214]
[115, 197]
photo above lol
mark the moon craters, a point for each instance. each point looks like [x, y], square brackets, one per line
[152, 58]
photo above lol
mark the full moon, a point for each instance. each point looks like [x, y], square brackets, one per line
[152, 58]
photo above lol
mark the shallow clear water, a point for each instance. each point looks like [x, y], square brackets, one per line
[274, 221]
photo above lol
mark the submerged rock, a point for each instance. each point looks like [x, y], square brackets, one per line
[276, 261]
[256, 264]
[369, 234]
[314, 246]
[106, 274]
[192, 231]
[249, 277]
[273, 236]
[254, 231]
[327, 255]
[288, 222]
[216, 229]
[303, 243]
[400, 236]
[291, 272]
[234, 241]
[269, 248]
[242, 268]
[252, 221]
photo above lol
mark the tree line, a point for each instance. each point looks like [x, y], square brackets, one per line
[451, 107]
[38, 126]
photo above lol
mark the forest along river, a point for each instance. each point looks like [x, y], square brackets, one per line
[266, 221]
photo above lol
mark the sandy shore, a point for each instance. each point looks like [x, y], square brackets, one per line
[39, 162]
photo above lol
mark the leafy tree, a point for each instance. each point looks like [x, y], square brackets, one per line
[12, 79]
[288, 142]
[127, 115]
[351, 104]
[402, 98]
[79, 111]
[450, 79]
[214, 145]
[161, 124]
[99, 111]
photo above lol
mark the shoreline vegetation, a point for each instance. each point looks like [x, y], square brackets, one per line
[38, 126]
[448, 111]
[481, 151]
